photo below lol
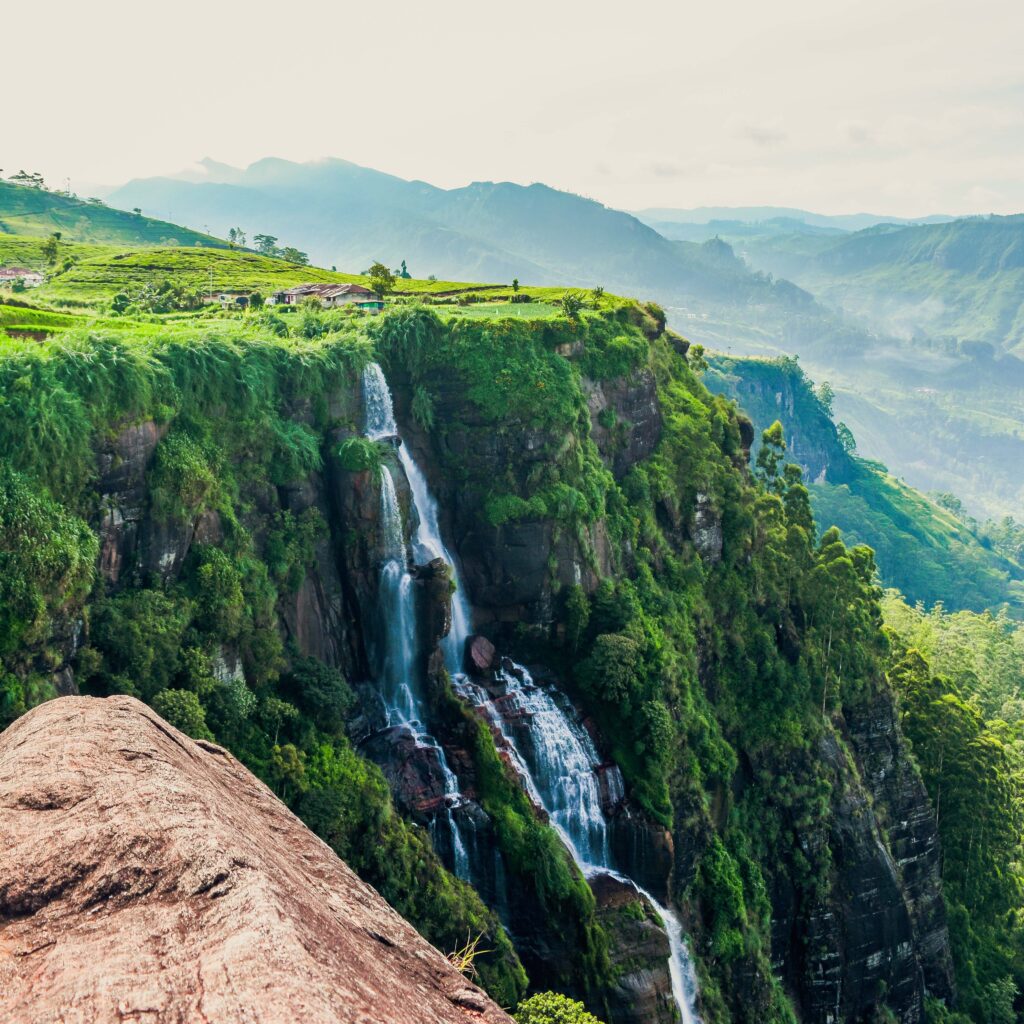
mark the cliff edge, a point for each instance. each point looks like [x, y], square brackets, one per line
[146, 877]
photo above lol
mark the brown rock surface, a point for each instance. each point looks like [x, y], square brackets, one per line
[145, 877]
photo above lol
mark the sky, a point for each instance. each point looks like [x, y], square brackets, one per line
[895, 107]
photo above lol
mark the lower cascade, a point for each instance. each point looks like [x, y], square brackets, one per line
[548, 747]
[556, 759]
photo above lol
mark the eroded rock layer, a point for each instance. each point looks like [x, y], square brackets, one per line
[147, 877]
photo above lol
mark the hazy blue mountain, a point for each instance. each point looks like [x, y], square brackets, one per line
[761, 214]
[962, 281]
[935, 412]
[348, 216]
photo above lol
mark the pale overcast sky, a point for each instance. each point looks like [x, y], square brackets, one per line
[890, 106]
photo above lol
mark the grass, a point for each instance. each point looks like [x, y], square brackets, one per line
[31, 211]
[101, 272]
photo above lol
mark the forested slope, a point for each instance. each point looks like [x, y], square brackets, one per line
[192, 514]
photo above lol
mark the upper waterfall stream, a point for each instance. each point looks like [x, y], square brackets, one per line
[548, 746]
[398, 671]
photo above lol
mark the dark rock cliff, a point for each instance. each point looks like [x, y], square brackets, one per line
[873, 930]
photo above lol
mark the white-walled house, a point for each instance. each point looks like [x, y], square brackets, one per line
[332, 295]
[30, 278]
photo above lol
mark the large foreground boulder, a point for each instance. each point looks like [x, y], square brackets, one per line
[146, 877]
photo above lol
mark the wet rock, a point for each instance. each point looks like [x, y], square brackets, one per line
[166, 546]
[480, 655]
[434, 599]
[123, 462]
[642, 849]
[639, 953]
[144, 876]
[413, 770]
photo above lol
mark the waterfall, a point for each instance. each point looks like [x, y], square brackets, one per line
[398, 674]
[396, 613]
[427, 542]
[546, 743]
[556, 759]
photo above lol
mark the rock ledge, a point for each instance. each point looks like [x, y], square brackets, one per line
[145, 877]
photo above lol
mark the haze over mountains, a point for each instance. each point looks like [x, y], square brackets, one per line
[917, 324]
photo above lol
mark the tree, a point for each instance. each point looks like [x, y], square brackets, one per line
[572, 303]
[137, 210]
[773, 447]
[382, 281]
[515, 284]
[846, 439]
[553, 1008]
[404, 272]
[236, 236]
[50, 248]
[293, 255]
[28, 179]
[266, 245]
[182, 709]
[825, 394]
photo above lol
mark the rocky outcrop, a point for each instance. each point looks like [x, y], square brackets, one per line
[906, 815]
[706, 530]
[123, 463]
[641, 992]
[856, 944]
[770, 390]
[625, 419]
[147, 877]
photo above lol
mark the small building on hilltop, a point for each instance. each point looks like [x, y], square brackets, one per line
[30, 278]
[332, 295]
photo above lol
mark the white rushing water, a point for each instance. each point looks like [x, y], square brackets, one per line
[397, 669]
[557, 761]
[548, 746]
[427, 542]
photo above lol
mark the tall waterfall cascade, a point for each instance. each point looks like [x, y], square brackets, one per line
[397, 668]
[548, 747]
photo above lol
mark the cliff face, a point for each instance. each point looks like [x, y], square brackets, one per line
[145, 876]
[769, 390]
[840, 897]
[871, 930]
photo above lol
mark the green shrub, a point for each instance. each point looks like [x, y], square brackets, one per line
[552, 1008]
[182, 709]
[46, 562]
[184, 476]
[360, 454]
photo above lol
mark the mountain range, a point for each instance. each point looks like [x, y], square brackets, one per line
[889, 312]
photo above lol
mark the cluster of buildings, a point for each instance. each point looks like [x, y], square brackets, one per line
[331, 296]
[29, 278]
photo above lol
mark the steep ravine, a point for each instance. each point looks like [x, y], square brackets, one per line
[799, 852]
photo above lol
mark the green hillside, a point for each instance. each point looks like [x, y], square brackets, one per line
[192, 513]
[963, 280]
[920, 547]
[36, 211]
